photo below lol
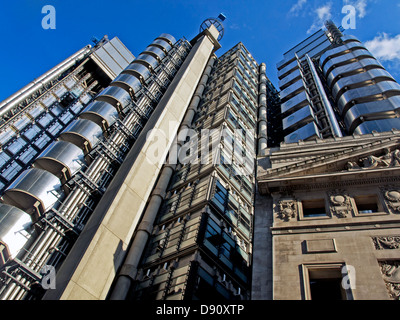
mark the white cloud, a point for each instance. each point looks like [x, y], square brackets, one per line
[296, 8]
[321, 15]
[384, 47]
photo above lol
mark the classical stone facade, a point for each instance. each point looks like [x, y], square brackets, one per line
[328, 219]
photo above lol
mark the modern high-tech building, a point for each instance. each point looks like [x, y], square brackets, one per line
[332, 86]
[181, 175]
[134, 178]
[327, 222]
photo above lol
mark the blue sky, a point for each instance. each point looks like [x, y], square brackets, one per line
[267, 28]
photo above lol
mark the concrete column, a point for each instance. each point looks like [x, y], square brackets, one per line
[89, 270]
[129, 269]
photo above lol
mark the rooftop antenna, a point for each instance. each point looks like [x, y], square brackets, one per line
[217, 22]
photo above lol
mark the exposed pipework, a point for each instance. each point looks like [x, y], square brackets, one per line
[325, 101]
[69, 209]
[129, 269]
[15, 99]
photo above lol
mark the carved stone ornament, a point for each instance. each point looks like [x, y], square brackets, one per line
[391, 274]
[388, 242]
[287, 209]
[388, 159]
[340, 203]
[392, 198]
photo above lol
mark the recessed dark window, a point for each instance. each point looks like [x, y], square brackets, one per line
[326, 284]
[367, 204]
[314, 208]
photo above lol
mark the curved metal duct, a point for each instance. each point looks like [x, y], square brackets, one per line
[147, 60]
[100, 112]
[366, 94]
[381, 125]
[347, 58]
[167, 37]
[138, 70]
[162, 44]
[154, 51]
[13, 222]
[82, 133]
[34, 191]
[116, 96]
[127, 82]
[61, 158]
[352, 68]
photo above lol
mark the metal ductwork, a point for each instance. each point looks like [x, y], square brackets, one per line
[100, 112]
[61, 158]
[34, 191]
[13, 222]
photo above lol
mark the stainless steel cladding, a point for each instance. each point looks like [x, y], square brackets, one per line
[162, 44]
[102, 113]
[127, 82]
[350, 69]
[147, 60]
[140, 71]
[292, 90]
[167, 37]
[61, 158]
[309, 131]
[295, 103]
[154, 51]
[298, 118]
[116, 96]
[367, 111]
[83, 133]
[34, 191]
[13, 222]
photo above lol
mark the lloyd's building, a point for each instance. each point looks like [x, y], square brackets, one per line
[182, 175]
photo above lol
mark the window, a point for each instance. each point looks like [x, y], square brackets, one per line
[313, 208]
[367, 204]
[325, 282]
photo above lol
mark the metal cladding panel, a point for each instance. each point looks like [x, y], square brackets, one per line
[289, 68]
[285, 82]
[347, 58]
[60, 155]
[112, 57]
[100, 112]
[352, 68]
[292, 90]
[128, 82]
[12, 221]
[122, 50]
[162, 44]
[360, 79]
[138, 70]
[147, 60]
[165, 36]
[155, 52]
[364, 111]
[339, 50]
[116, 96]
[310, 130]
[382, 125]
[365, 94]
[298, 118]
[31, 186]
[81, 132]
